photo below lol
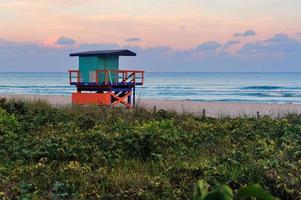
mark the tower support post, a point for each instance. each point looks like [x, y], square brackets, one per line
[130, 99]
[134, 97]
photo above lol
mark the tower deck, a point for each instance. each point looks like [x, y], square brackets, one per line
[108, 78]
[106, 87]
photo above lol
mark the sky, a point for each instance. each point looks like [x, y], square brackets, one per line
[167, 35]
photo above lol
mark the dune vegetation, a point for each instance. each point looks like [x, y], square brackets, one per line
[113, 153]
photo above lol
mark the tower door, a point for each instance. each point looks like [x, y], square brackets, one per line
[92, 76]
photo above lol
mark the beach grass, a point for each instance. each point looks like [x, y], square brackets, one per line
[87, 152]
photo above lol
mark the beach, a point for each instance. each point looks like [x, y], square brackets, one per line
[211, 109]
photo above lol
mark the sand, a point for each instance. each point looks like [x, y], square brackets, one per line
[212, 109]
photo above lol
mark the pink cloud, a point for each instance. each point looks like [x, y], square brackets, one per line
[35, 20]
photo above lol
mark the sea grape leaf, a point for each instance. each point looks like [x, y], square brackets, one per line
[222, 192]
[256, 191]
[201, 190]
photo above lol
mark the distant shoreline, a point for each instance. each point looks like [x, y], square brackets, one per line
[212, 109]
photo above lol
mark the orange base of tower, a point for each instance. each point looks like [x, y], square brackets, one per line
[91, 98]
[105, 99]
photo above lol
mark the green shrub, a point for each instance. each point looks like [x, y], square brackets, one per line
[114, 153]
[8, 122]
[224, 192]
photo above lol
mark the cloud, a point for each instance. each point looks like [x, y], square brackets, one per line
[94, 46]
[256, 56]
[279, 38]
[20, 56]
[298, 33]
[278, 44]
[209, 46]
[65, 41]
[247, 33]
[254, 47]
[213, 46]
[134, 39]
[230, 43]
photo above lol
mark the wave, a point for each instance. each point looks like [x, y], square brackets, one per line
[35, 86]
[262, 87]
[262, 94]
[258, 101]
[177, 93]
[267, 87]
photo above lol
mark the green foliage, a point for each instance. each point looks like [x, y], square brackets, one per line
[255, 191]
[8, 122]
[201, 190]
[113, 153]
[224, 192]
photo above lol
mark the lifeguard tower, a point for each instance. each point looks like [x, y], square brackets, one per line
[99, 80]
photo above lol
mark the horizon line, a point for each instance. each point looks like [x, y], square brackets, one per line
[164, 72]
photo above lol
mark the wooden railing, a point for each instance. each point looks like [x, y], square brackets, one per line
[120, 77]
[74, 74]
[111, 77]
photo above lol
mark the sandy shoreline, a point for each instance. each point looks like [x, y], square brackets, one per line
[213, 109]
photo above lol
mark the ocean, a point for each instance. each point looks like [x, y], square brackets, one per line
[196, 86]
